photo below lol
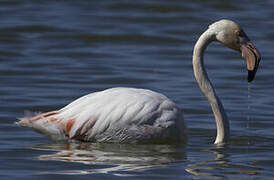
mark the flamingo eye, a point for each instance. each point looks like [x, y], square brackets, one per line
[242, 34]
[237, 33]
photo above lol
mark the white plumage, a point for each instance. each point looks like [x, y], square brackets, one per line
[125, 115]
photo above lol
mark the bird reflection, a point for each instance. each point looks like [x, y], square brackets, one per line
[111, 158]
[211, 162]
[220, 165]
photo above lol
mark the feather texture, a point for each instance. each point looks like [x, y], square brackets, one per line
[113, 115]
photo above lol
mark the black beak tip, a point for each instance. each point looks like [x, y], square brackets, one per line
[251, 75]
[249, 79]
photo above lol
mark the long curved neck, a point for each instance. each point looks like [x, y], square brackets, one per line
[205, 85]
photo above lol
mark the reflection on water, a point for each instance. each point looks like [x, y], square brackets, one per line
[111, 158]
[127, 160]
[220, 163]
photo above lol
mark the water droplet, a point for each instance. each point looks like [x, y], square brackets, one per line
[248, 104]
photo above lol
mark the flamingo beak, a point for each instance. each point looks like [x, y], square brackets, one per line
[251, 55]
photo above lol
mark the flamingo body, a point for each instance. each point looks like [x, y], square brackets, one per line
[114, 115]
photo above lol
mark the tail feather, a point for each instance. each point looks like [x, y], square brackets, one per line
[31, 117]
[44, 123]
[29, 114]
[25, 121]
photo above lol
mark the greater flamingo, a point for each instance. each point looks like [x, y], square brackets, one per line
[130, 115]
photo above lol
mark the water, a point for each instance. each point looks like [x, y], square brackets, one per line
[52, 52]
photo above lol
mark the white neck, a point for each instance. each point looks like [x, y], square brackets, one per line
[222, 122]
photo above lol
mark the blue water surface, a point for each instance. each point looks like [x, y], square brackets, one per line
[52, 52]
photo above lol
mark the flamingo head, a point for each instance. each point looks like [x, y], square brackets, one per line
[232, 35]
